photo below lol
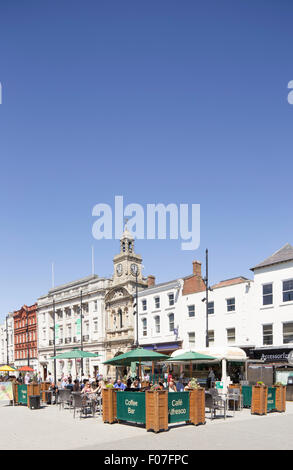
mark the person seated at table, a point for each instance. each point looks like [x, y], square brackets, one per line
[135, 384]
[188, 386]
[120, 385]
[161, 385]
[69, 385]
[87, 389]
[100, 387]
[63, 382]
[76, 386]
[172, 386]
[179, 386]
[129, 382]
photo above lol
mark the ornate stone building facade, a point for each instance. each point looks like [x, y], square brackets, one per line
[119, 299]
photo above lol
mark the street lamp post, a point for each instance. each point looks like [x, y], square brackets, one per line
[54, 340]
[27, 339]
[136, 274]
[207, 299]
[7, 351]
[81, 338]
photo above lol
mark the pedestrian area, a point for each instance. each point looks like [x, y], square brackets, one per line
[54, 428]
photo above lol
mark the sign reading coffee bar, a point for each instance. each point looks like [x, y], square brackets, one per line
[131, 406]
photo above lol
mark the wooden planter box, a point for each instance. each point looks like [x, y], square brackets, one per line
[109, 405]
[156, 407]
[45, 386]
[197, 406]
[15, 393]
[280, 398]
[259, 400]
[235, 386]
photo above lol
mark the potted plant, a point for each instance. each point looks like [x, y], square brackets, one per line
[196, 402]
[280, 397]
[156, 407]
[259, 399]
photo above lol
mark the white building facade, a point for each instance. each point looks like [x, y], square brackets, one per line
[68, 298]
[253, 314]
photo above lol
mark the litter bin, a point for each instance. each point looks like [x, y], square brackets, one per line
[35, 402]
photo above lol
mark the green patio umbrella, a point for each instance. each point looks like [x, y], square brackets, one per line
[136, 355]
[191, 356]
[75, 354]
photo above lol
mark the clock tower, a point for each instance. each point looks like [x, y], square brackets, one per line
[119, 300]
[127, 262]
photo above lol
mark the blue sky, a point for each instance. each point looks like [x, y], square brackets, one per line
[158, 101]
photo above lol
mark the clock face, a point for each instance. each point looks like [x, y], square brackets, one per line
[119, 269]
[134, 268]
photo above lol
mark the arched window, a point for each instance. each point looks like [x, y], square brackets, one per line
[130, 247]
[123, 246]
[171, 322]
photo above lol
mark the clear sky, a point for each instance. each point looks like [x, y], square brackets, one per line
[158, 101]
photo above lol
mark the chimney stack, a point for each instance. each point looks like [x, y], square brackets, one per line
[196, 268]
[151, 280]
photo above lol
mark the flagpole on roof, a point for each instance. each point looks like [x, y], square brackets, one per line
[93, 260]
[53, 276]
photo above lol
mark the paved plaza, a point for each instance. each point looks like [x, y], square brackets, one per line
[51, 428]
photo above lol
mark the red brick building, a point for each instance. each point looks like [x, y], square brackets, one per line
[25, 337]
[194, 283]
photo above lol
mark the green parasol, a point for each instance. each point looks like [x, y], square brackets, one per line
[136, 355]
[75, 354]
[191, 356]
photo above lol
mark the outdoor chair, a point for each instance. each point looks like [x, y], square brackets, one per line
[64, 397]
[234, 395]
[82, 405]
[215, 403]
[99, 402]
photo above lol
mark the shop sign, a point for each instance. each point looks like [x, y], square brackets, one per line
[131, 406]
[271, 399]
[178, 407]
[290, 357]
[6, 392]
[273, 355]
[219, 385]
[22, 394]
[78, 329]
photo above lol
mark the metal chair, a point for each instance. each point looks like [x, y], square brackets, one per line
[64, 397]
[81, 404]
[234, 395]
[214, 402]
